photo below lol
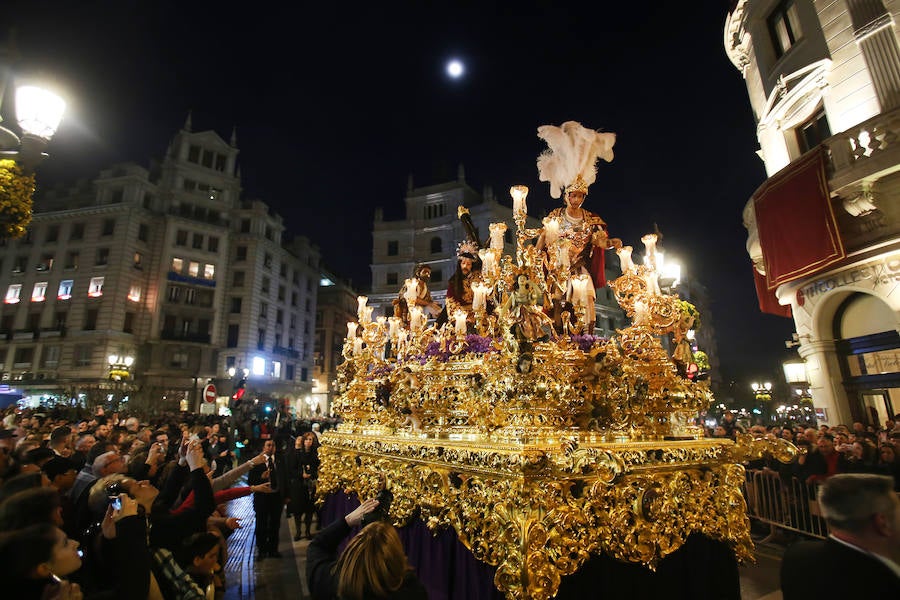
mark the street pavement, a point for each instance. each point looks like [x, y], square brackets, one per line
[285, 578]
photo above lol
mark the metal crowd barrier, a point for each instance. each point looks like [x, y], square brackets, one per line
[781, 503]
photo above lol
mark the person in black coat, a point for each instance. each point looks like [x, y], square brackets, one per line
[303, 472]
[863, 516]
[268, 506]
[348, 576]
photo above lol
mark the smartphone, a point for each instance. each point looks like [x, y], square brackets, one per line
[115, 502]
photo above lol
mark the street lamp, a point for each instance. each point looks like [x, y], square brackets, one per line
[38, 113]
[120, 369]
[763, 391]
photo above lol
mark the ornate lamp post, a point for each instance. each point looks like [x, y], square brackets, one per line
[38, 113]
[119, 373]
[798, 382]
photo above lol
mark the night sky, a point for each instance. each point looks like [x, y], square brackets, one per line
[336, 107]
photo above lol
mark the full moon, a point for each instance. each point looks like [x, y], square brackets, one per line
[455, 69]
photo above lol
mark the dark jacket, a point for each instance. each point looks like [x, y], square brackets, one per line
[829, 569]
[322, 555]
[299, 489]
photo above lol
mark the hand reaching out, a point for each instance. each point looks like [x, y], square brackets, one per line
[355, 518]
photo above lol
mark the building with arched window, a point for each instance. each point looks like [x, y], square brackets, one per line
[823, 79]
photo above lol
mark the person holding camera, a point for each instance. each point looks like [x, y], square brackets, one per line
[372, 566]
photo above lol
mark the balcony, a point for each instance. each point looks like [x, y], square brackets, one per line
[180, 336]
[288, 352]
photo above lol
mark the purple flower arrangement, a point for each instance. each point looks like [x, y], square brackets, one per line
[475, 344]
[586, 342]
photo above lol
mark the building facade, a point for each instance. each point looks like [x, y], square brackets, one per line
[146, 285]
[823, 79]
[337, 305]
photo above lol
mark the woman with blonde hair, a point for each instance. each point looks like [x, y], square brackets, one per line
[372, 566]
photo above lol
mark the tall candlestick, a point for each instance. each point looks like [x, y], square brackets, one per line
[625, 260]
[580, 285]
[357, 346]
[488, 261]
[459, 316]
[479, 293]
[409, 291]
[393, 327]
[361, 300]
[415, 318]
[351, 329]
[551, 230]
[519, 193]
[498, 230]
[650, 246]
[367, 314]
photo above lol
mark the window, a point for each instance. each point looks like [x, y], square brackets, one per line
[230, 362]
[208, 158]
[258, 365]
[45, 264]
[293, 298]
[177, 265]
[193, 269]
[178, 359]
[392, 279]
[143, 232]
[194, 154]
[197, 241]
[190, 296]
[90, 319]
[240, 253]
[289, 372]
[77, 232]
[293, 320]
[263, 310]
[220, 162]
[267, 260]
[174, 293]
[109, 226]
[128, 325]
[245, 225]
[813, 132]
[276, 369]
[102, 256]
[71, 260]
[281, 292]
[237, 279]
[264, 288]
[282, 270]
[261, 340]
[65, 289]
[20, 264]
[134, 293]
[12, 293]
[279, 316]
[203, 326]
[83, 355]
[186, 326]
[212, 244]
[393, 248]
[50, 356]
[117, 196]
[136, 260]
[268, 232]
[437, 245]
[784, 26]
[23, 356]
[181, 238]
[96, 287]
[39, 293]
[209, 271]
[236, 305]
[60, 318]
[232, 337]
[52, 234]
[304, 373]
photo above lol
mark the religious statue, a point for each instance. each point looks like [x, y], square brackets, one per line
[415, 293]
[523, 307]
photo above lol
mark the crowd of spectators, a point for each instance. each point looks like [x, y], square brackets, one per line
[116, 506]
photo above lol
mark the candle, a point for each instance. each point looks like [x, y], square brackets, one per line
[480, 291]
[519, 193]
[381, 321]
[562, 254]
[415, 318]
[551, 230]
[651, 278]
[410, 292]
[488, 261]
[650, 245]
[498, 230]
[351, 329]
[393, 327]
[625, 260]
[362, 304]
[580, 285]
[357, 346]
[367, 314]
[459, 316]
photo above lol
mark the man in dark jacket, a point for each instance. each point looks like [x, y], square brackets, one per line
[862, 550]
[268, 506]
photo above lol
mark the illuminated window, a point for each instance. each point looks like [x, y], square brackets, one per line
[177, 265]
[65, 289]
[193, 269]
[134, 294]
[259, 365]
[209, 271]
[13, 292]
[96, 288]
[39, 293]
[137, 260]
[276, 369]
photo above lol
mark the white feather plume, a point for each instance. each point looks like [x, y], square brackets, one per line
[572, 150]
